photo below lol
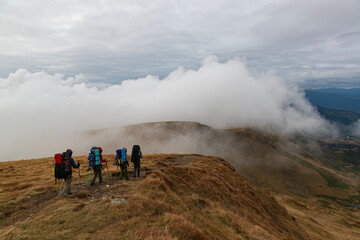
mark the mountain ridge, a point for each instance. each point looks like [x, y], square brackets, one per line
[178, 197]
[268, 187]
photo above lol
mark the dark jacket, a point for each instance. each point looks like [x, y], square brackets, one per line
[73, 164]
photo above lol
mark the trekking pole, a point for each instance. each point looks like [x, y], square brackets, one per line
[54, 175]
[107, 170]
[88, 177]
[79, 176]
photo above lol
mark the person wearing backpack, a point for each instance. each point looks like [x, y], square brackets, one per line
[135, 158]
[67, 155]
[95, 160]
[122, 160]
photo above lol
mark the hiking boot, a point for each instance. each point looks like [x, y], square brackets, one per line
[92, 184]
[70, 193]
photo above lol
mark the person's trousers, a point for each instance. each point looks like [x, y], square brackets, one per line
[137, 168]
[97, 171]
[124, 171]
[67, 188]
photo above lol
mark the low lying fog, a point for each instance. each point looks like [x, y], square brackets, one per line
[40, 112]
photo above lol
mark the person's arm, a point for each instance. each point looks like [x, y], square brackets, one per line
[73, 163]
[141, 154]
[101, 158]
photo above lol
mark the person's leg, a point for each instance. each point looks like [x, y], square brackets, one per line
[100, 176]
[68, 184]
[135, 164]
[138, 169]
[95, 175]
[62, 191]
[67, 189]
[122, 171]
[126, 173]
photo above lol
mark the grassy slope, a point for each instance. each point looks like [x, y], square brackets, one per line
[296, 166]
[180, 197]
[323, 218]
[282, 166]
[290, 167]
[315, 178]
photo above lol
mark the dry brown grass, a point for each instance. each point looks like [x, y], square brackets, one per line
[178, 197]
[202, 199]
[323, 219]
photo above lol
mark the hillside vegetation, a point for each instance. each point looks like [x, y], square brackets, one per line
[298, 165]
[295, 188]
[178, 197]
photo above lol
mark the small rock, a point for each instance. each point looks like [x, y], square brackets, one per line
[119, 200]
[107, 185]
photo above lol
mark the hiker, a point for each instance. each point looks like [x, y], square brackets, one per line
[122, 160]
[135, 158]
[68, 179]
[95, 160]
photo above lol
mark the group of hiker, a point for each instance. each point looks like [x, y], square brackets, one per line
[64, 164]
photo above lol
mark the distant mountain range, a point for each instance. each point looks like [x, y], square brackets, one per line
[336, 104]
[340, 116]
[355, 92]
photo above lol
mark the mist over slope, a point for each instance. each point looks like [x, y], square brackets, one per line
[284, 164]
[37, 108]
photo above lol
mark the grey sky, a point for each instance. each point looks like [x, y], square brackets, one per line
[223, 63]
[116, 40]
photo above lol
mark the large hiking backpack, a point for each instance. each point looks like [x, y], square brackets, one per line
[118, 157]
[121, 156]
[62, 165]
[94, 157]
[59, 166]
[66, 157]
[135, 155]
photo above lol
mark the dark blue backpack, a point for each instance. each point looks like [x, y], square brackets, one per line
[121, 156]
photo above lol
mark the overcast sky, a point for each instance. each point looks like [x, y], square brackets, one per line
[70, 66]
[112, 40]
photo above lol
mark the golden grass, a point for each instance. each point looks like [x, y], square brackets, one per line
[323, 221]
[201, 199]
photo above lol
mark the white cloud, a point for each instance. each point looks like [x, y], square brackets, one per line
[35, 107]
[356, 128]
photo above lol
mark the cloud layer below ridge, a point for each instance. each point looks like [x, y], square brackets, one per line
[35, 107]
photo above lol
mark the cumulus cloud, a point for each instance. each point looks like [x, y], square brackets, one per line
[38, 109]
